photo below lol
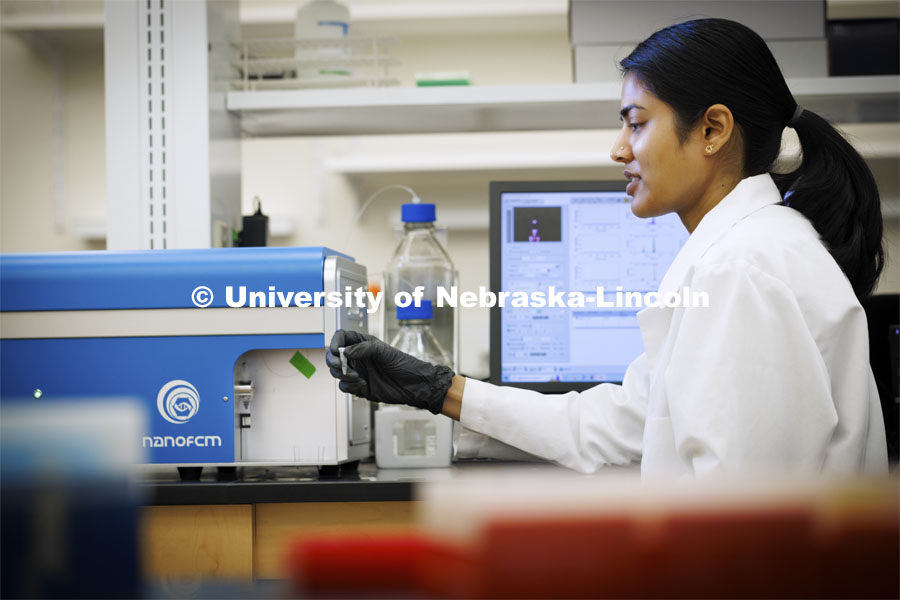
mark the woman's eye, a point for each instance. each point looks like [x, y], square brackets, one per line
[635, 126]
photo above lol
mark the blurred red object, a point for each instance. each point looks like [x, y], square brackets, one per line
[749, 554]
[862, 555]
[774, 552]
[367, 562]
[562, 558]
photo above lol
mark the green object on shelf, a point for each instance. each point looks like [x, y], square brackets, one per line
[444, 82]
[442, 78]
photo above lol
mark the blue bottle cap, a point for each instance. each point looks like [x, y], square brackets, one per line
[417, 213]
[425, 311]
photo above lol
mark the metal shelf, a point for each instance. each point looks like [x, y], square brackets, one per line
[512, 108]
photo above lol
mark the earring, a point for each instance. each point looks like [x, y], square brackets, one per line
[709, 148]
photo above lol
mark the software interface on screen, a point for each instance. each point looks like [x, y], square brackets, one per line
[577, 241]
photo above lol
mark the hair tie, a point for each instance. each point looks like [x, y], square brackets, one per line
[797, 112]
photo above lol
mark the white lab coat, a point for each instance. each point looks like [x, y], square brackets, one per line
[772, 377]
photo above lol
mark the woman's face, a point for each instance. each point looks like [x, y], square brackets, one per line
[664, 174]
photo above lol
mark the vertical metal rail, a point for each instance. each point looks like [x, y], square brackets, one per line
[155, 74]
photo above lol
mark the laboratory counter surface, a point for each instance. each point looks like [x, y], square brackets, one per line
[162, 486]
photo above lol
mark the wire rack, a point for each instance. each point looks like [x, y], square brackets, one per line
[296, 63]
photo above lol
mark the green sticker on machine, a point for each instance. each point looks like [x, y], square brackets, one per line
[302, 364]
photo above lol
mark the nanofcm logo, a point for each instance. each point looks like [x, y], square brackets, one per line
[178, 401]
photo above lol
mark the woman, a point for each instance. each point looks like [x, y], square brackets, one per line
[774, 374]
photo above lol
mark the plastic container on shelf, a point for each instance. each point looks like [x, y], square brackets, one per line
[406, 436]
[421, 260]
[323, 20]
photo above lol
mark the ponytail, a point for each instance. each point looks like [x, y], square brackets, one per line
[692, 65]
[834, 188]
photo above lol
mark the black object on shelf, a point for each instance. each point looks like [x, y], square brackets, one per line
[255, 231]
[863, 47]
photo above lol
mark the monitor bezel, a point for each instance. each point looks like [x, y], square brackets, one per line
[497, 189]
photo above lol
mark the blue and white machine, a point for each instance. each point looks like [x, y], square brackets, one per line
[222, 385]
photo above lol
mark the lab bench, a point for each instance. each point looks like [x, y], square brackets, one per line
[239, 529]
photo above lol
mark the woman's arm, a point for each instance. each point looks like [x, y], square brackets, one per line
[603, 425]
[453, 401]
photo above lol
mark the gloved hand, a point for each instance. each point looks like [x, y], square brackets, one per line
[381, 373]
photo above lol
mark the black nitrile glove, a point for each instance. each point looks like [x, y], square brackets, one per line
[381, 373]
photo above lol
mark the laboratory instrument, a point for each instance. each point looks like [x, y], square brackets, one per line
[223, 348]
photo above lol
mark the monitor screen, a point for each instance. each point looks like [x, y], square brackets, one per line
[552, 237]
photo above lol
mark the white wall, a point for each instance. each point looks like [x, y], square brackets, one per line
[287, 173]
[32, 218]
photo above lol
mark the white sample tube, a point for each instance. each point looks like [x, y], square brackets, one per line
[344, 365]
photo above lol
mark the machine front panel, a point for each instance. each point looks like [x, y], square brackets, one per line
[185, 384]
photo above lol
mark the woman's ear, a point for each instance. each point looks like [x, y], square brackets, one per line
[718, 127]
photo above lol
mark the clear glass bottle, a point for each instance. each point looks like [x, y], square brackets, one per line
[421, 260]
[406, 436]
[415, 336]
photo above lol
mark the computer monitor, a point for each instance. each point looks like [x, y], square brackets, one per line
[574, 236]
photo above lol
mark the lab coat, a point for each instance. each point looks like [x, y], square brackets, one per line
[772, 377]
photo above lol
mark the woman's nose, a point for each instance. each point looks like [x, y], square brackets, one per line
[619, 152]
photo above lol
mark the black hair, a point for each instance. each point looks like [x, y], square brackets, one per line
[693, 65]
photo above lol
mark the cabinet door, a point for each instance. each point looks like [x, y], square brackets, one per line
[278, 525]
[197, 542]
